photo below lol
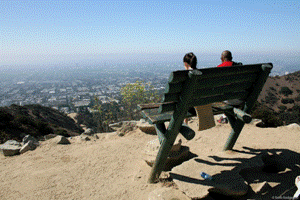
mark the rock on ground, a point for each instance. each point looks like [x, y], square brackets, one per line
[89, 131]
[10, 148]
[30, 145]
[146, 127]
[60, 140]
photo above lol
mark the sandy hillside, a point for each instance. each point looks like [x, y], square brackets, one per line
[112, 167]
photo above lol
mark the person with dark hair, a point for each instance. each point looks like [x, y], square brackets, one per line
[190, 61]
[204, 112]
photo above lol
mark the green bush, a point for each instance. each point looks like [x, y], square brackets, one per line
[282, 108]
[43, 127]
[271, 98]
[273, 89]
[267, 116]
[62, 132]
[287, 100]
[285, 91]
[5, 116]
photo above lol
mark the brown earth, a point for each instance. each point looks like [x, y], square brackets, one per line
[113, 167]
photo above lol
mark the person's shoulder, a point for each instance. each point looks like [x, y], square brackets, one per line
[226, 64]
[236, 63]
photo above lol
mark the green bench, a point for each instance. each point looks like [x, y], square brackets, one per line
[186, 89]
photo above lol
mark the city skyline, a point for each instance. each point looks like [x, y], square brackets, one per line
[54, 32]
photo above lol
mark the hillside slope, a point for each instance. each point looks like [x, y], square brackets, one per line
[282, 95]
[36, 120]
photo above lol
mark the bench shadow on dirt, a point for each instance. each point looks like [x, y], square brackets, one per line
[276, 176]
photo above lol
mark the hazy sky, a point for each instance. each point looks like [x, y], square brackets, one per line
[35, 32]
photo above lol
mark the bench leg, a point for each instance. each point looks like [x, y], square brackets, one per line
[236, 130]
[161, 131]
[160, 161]
[166, 141]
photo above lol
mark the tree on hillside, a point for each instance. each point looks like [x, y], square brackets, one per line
[267, 115]
[104, 115]
[271, 98]
[137, 93]
[285, 91]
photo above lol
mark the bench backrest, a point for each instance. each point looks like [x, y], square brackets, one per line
[209, 85]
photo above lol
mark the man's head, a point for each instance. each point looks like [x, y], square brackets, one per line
[226, 56]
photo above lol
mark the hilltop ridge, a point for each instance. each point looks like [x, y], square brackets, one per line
[36, 120]
[281, 94]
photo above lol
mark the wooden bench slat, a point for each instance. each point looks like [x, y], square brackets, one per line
[206, 100]
[232, 88]
[229, 71]
[167, 107]
[221, 106]
[182, 75]
[178, 76]
[219, 98]
[210, 91]
[148, 106]
[207, 83]
[174, 87]
[153, 116]
[225, 81]
[170, 97]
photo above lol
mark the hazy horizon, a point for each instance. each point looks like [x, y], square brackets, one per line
[281, 62]
[47, 33]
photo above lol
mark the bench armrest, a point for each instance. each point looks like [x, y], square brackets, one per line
[148, 106]
[245, 117]
[154, 117]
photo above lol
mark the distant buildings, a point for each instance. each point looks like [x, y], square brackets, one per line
[71, 94]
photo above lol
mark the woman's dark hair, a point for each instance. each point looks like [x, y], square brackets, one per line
[190, 59]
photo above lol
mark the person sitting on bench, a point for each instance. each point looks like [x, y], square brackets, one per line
[190, 63]
[226, 58]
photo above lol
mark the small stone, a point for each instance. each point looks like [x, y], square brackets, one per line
[293, 126]
[146, 127]
[28, 138]
[84, 137]
[28, 146]
[89, 131]
[96, 137]
[10, 148]
[255, 121]
[116, 126]
[61, 140]
[13, 143]
[126, 127]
